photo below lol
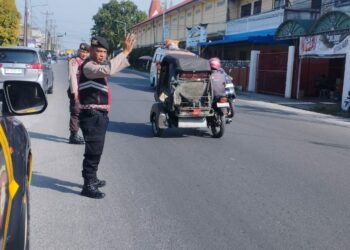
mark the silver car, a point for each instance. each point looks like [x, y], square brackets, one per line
[26, 64]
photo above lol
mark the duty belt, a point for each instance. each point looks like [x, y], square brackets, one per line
[93, 111]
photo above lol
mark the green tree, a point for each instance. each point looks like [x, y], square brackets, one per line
[106, 24]
[9, 22]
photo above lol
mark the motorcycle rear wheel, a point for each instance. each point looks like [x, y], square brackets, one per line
[218, 126]
[155, 127]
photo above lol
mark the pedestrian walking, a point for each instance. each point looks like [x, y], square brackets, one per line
[74, 106]
[94, 96]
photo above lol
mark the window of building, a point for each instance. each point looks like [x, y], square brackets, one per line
[189, 14]
[246, 10]
[197, 11]
[278, 4]
[257, 7]
[208, 7]
[220, 3]
[341, 2]
[316, 4]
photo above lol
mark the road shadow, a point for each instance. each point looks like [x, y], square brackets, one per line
[42, 181]
[312, 117]
[332, 145]
[145, 130]
[47, 137]
[138, 87]
[264, 111]
[184, 133]
[135, 129]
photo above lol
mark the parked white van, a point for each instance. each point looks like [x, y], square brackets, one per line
[158, 56]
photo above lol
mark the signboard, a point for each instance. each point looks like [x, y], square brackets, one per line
[324, 45]
[196, 34]
[264, 21]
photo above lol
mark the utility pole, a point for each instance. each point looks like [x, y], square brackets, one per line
[25, 24]
[46, 29]
[163, 29]
[30, 22]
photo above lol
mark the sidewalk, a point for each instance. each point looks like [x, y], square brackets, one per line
[324, 106]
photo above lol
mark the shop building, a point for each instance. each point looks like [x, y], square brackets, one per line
[322, 53]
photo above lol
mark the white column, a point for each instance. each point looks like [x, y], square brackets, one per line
[289, 76]
[254, 57]
[346, 82]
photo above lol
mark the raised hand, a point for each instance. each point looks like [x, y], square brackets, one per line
[129, 43]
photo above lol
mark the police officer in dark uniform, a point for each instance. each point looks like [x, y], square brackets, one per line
[74, 106]
[94, 97]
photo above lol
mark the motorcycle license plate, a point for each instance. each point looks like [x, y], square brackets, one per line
[223, 105]
[196, 112]
[229, 85]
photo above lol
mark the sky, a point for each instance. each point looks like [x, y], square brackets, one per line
[73, 17]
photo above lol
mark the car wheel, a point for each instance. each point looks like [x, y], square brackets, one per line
[155, 127]
[21, 239]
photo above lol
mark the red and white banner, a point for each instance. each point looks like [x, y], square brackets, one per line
[324, 45]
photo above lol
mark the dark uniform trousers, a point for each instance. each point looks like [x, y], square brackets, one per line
[74, 109]
[93, 124]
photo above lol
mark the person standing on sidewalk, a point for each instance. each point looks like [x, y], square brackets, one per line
[74, 106]
[94, 96]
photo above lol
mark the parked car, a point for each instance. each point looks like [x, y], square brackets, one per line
[20, 98]
[26, 64]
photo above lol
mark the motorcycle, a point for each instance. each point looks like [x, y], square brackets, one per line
[347, 102]
[222, 110]
[223, 103]
[231, 95]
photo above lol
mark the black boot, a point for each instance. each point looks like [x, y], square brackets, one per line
[90, 190]
[76, 139]
[98, 183]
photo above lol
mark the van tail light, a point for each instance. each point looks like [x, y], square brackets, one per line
[0, 65]
[223, 99]
[35, 66]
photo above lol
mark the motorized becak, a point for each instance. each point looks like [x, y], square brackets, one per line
[19, 98]
[184, 97]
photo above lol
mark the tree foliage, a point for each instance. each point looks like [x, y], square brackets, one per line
[9, 22]
[106, 24]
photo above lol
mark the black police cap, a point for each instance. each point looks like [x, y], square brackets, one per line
[84, 46]
[98, 41]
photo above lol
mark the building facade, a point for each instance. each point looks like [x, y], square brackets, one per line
[283, 42]
[176, 20]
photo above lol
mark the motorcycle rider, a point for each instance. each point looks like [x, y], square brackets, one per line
[218, 78]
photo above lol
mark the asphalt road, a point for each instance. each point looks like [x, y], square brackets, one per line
[278, 179]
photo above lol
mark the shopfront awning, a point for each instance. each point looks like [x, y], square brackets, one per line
[292, 29]
[261, 36]
[334, 22]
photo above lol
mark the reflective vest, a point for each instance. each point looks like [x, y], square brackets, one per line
[93, 91]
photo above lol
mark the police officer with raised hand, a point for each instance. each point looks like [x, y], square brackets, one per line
[94, 96]
[74, 106]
